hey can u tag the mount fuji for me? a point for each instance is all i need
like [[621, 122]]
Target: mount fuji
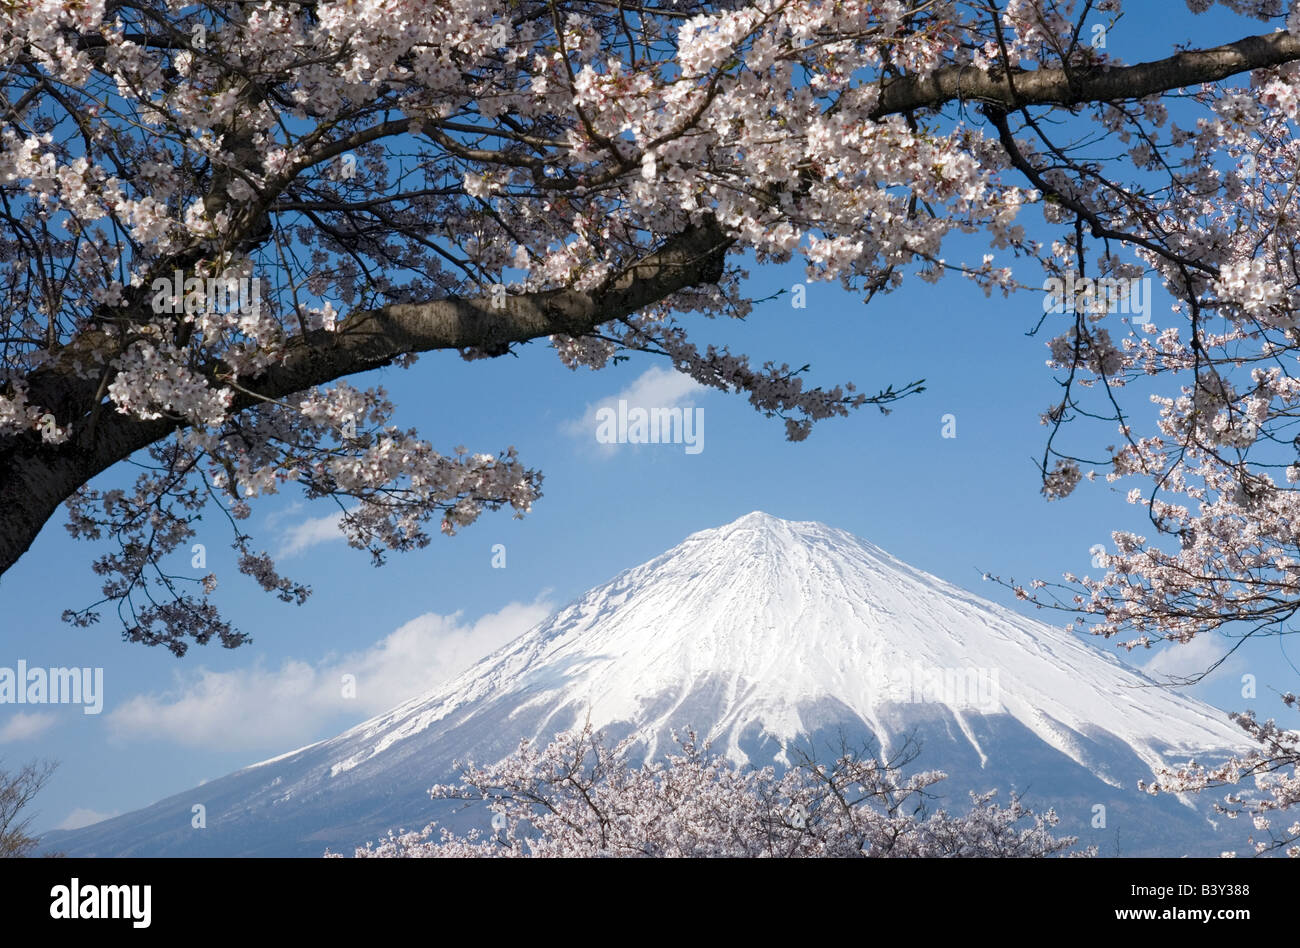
[[763, 635]]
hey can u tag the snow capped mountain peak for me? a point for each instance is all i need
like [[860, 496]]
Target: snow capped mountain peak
[[763, 528], [763, 633], [755, 518], [761, 521], [767, 626]]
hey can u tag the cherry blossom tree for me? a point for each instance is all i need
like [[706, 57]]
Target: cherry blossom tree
[[215, 213], [580, 796]]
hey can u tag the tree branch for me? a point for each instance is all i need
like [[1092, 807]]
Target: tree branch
[[38, 477], [1101, 83]]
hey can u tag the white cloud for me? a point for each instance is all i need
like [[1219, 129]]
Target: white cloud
[[22, 726], [657, 387], [275, 517], [1183, 660], [310, 533], [265, 709], [83, 817]]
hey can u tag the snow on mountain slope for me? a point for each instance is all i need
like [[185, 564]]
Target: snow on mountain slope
[[759, 633]]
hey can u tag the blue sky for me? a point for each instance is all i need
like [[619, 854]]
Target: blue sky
[[953, 506]]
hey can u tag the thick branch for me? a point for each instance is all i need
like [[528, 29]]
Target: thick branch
[[1101, 83], [370, 339], [38, 477]]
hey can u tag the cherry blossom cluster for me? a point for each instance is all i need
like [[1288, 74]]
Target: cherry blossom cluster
[[580, 796], [1271, 774]]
